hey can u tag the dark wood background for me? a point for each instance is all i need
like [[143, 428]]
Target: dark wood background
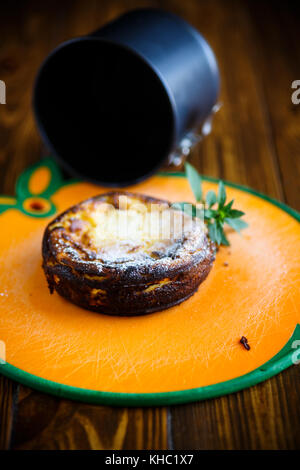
[[255, 141]]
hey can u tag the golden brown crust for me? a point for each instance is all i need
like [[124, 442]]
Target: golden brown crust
[[143, 281]]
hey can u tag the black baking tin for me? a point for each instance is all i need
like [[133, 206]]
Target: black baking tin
[[113, 106]]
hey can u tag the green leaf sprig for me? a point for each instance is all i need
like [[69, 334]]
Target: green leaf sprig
[[217, 211]]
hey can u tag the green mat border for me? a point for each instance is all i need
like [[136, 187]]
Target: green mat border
[[288, 356]]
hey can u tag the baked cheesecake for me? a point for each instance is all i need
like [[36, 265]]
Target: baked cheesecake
[[122, 253]]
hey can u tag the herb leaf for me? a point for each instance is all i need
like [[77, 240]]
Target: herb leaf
[[224, 240], [236, 224], [195, 181], [209, 214], [234, 214], [215, 218], [229, 205], [214, 232], [211, 198], [221, 194]]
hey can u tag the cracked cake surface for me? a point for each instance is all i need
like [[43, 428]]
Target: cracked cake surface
[[122, 253]]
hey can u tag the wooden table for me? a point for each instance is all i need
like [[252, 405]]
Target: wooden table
[[255, 141]]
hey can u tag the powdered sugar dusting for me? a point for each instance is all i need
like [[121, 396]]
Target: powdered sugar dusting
[[94, 240]]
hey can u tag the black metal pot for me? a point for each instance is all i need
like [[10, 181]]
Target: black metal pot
[[114, 105]]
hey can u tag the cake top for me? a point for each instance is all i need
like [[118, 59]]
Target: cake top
[[124, 228]]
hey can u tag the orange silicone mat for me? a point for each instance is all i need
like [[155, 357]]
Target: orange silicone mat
[[188, 352]]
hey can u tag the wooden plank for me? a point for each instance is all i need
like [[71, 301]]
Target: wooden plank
[[46, 422], [8, 399], [279, 63], [263, 417], [240, 148]]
